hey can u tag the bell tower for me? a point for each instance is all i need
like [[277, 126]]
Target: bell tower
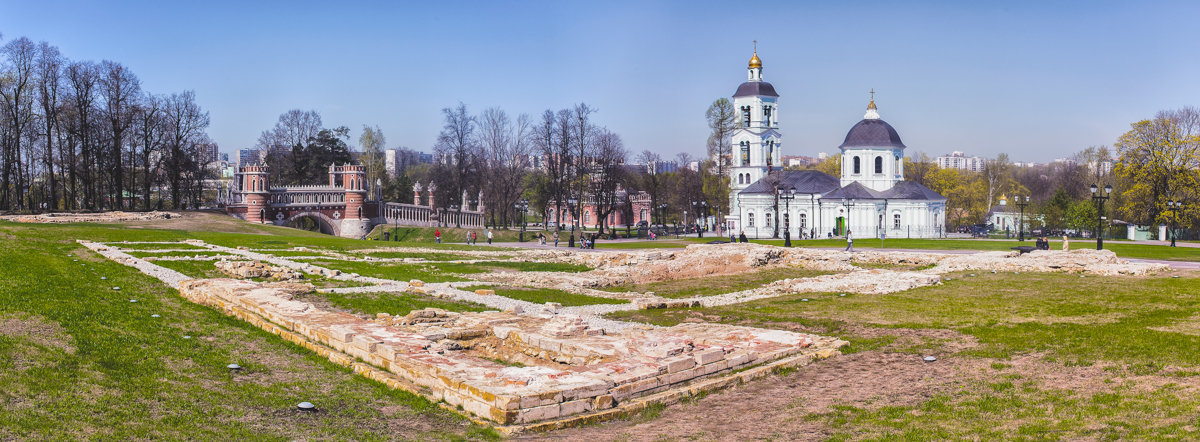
[[756, 141]]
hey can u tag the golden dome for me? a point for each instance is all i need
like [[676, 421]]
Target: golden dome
[[755, 62]]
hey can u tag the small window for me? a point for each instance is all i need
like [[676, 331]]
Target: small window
[[767, 115], [857, 165], [745, 153], [878, 164], [746, 116], [767, 220], [803, 221], [896, 221], [750, 219]]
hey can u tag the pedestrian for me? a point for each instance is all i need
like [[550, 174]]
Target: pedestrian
[[437, 235], [742, 237], [556, 239], [489, 234], [571, 240], [731, 237], [849, 241], [1066, 243]]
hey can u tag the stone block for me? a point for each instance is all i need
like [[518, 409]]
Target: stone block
[[679, 363], [603, 401], [416, 283], [538, 414], [708, 356], [575, 407], [485, 292]]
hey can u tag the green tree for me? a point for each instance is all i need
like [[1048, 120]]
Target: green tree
[[1158, 161], [1081, 216]]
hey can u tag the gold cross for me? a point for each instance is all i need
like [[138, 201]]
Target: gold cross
[[872, 94], [755, 46]]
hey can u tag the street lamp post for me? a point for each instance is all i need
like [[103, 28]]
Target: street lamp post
[[1022, 202], [1099, 198], [523, 206], [1174, 207], [572, 202], [849, 203], [684, 225], [787, 197]]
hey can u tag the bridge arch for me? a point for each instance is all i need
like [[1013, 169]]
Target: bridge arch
[[326, 224]]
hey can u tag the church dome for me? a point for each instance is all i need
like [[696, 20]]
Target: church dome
[[755, 62], [872, 131]]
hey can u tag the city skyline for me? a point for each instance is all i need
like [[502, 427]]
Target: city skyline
[[1036, 82]]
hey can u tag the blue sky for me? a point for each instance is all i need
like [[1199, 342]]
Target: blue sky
[[1036, 80]]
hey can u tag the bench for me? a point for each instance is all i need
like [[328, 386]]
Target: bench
[[1024, 249]]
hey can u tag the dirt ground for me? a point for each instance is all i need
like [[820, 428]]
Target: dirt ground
[[776, 408]]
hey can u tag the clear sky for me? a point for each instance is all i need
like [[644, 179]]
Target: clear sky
[[1037, 80]]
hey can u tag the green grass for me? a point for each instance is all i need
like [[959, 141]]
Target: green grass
[[397, 272], [427, 256], [398, 304], [79, 361], [1121, 248], [541, 296], [716, 285], [656, 244], [452, 238], [200, 252], [180, 246], [490, 266]]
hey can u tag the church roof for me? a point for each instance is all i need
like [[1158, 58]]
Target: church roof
[[856, 191], [911, 190], [872, 132], [752, 88], [804, 181]]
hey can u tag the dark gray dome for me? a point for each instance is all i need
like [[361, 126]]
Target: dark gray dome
[[872, 133], [751, 88]]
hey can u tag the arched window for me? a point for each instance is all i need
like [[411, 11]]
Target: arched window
[[587, 216], [803, 221], [896, 221], [745, 152], [878, 164], [857, 165], [750, 219], [767, 219], [643, 215]]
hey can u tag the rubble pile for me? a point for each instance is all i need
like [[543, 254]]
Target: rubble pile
[[257, 269], [104, 217], [1095, 262]]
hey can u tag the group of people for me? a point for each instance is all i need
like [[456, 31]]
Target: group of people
[[472, 237], [1044, 244]]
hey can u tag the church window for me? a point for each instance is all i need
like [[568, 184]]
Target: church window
[[767, 220], [746, 116], [857, 165], [896, 221], [750, 219], [767, 115], [803, 221], [878, 164], [745, 153], [587, 216], [770, 151]]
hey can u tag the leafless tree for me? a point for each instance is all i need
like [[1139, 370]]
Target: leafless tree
[[148, 128], [607, 174], [49, 73], [507, 146], [119, 88], [16, 91], [185, 129], [457, 154]]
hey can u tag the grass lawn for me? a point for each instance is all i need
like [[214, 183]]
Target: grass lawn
[[397, 272], [432, 256], [491, 266], [398, 304], [79, 361], [1134, 340], [541, 296], [716, 285], [201, 252]]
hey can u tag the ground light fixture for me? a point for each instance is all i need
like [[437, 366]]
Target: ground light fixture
[[930, 359], [306, 406], [234, 367]]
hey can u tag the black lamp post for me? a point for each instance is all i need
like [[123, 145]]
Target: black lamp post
[[1022, 202], [523, 206], [1174, 207], [787, 197], [849, 203], [1099, 198], [571, 202]]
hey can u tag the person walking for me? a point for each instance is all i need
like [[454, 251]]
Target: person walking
[[556, 239], [489, 234], [849, 241], [437, 235]]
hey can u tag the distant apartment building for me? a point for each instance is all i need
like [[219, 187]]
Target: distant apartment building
[[396, 161], [662, 167], [248, 156], [798, 161], [207, 153], [958, 160]]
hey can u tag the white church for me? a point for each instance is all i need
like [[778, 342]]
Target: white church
[[871, 199]]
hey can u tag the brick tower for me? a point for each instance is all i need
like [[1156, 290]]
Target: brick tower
[[255, 190], [355, 223]]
